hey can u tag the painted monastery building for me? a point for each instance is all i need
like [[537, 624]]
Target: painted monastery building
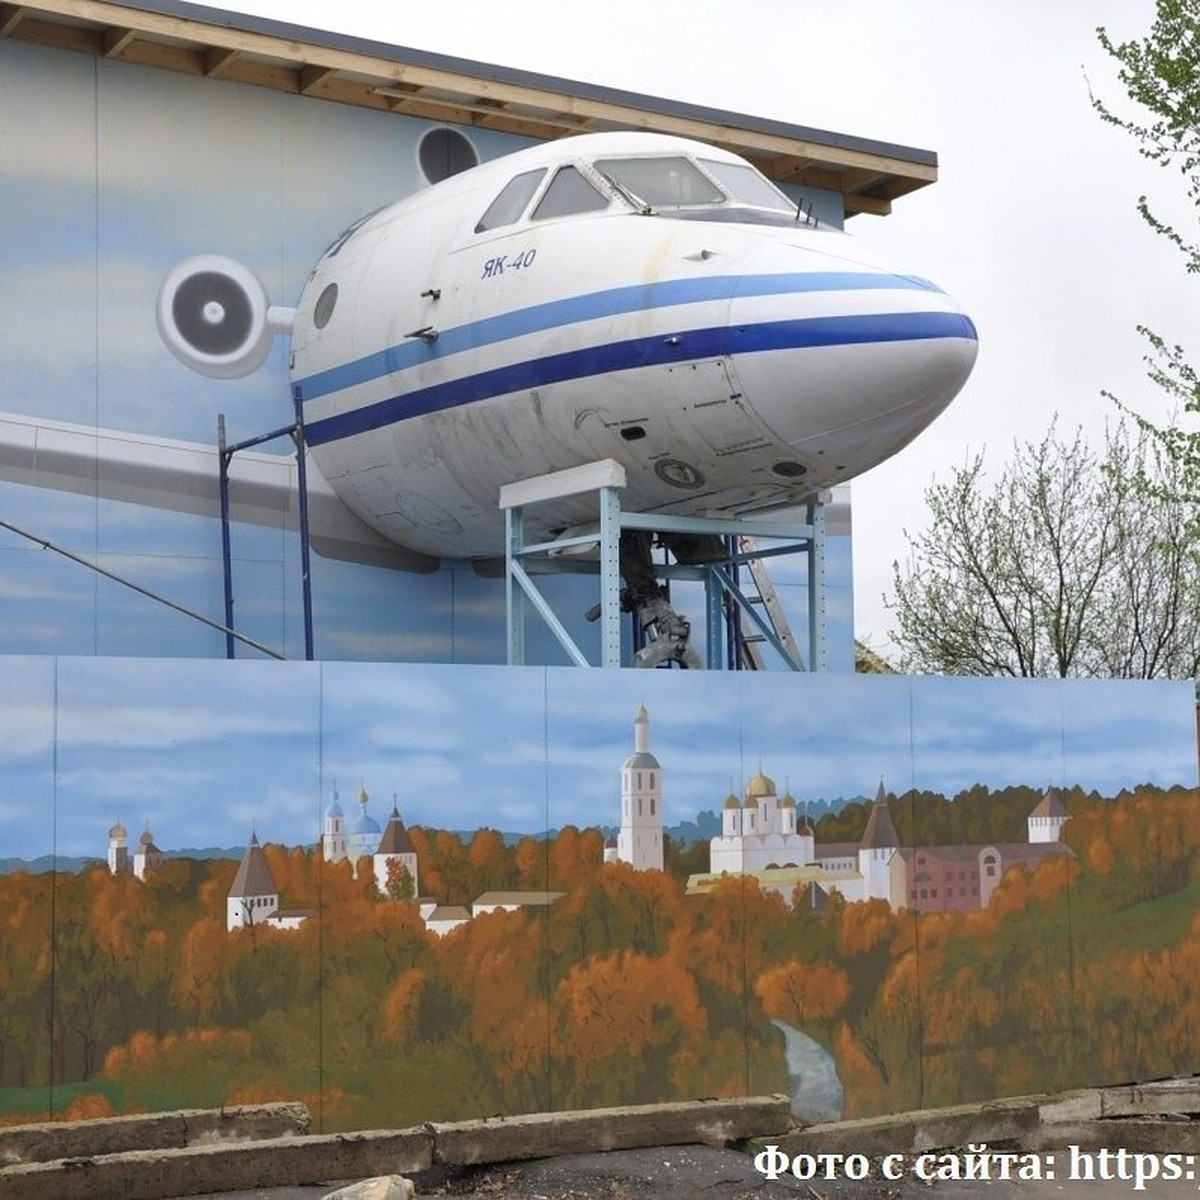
[[761, 836], [144, 860], [254, 898]]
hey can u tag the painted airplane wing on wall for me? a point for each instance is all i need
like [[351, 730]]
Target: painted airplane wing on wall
[[184, 477]]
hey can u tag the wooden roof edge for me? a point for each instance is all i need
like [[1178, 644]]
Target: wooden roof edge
[[763, 135]]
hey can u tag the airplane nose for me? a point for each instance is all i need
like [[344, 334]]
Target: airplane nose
[[847, 362]]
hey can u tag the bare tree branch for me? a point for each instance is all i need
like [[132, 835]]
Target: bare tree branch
[[1070, 563]]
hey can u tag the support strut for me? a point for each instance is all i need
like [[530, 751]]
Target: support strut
[[703, 550]]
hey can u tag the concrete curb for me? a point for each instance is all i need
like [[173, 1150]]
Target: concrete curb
[[1123, 1133], [322, 1159], [153, 1131], [191, 1153], [548, 1135], [232, 1167], [1134, 1117], [1164, 1096], [925, 1129]]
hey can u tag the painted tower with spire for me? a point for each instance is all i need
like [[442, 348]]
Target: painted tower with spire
[[333, 831], [1046, 821], [879, 855], [118, 850], [253, 897], [396, 854], [640, 841]]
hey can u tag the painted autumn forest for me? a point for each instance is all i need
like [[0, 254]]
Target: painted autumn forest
[[120, 996]]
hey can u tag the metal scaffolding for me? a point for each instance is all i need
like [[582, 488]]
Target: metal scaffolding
[[295, 431], [727, 604]]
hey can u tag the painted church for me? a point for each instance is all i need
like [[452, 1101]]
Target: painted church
[[393, 858], [254, 897], [760, 836], [146, 859], [351, 839], [763, 835]]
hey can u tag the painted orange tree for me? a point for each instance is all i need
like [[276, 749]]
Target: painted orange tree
[[121, 996]]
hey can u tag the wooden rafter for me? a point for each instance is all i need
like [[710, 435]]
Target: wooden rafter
[[11, 15], [310, 78], [116, 40], [217, 61], [437, 88]]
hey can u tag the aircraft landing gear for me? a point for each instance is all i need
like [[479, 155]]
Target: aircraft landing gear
[[629, 579], [667, 635]]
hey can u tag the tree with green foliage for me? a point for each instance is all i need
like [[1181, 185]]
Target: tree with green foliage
[[1161, 75], [1067, 564]]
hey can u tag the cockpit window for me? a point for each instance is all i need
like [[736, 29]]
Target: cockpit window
[[510, 204], [747, 186], [661, 182], [569, 192]]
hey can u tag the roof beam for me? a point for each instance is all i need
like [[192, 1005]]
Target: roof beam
[[116, 40], [29, 27], [862, 181], [783, 168], [874, 205], [870, 175], [396, 73], [309, 78], [417, 103], [218, 60], [11, 15]]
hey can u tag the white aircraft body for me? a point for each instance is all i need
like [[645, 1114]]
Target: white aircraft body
[[631, 296]]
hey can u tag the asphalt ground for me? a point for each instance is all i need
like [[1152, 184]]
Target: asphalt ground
[[705, 1173]]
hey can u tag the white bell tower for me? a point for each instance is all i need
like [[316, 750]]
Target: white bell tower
[[640, 842]]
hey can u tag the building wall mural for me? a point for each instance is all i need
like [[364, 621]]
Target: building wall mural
[[401, 884], [411, 892], [103, 197]]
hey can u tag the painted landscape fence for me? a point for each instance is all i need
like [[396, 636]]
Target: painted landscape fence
[[404, 893]]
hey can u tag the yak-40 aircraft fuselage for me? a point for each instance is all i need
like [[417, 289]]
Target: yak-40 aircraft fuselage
[[631, 296]]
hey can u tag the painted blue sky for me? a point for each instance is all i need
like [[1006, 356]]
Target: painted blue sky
[[103, 194], [102, 197], [203, 752]]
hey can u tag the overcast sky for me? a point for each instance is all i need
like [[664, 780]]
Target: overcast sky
[[1031, 226]]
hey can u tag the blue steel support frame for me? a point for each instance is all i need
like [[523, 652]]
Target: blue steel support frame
[[514, 595], [225, 454], [605, 478], [715, 643], [610, 577], [721, 584], [817, 642]]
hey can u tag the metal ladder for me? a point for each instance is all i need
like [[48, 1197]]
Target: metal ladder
[[752, 658]]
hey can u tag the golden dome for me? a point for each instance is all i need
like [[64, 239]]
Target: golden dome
[[761, 785]]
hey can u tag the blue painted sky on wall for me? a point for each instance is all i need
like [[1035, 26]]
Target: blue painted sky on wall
[[103, 195], [203, 752]]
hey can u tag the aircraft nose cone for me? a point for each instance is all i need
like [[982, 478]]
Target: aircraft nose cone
[[845, 360]]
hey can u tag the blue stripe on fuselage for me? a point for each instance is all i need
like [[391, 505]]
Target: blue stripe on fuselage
[[660, 349], [572, 310]]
